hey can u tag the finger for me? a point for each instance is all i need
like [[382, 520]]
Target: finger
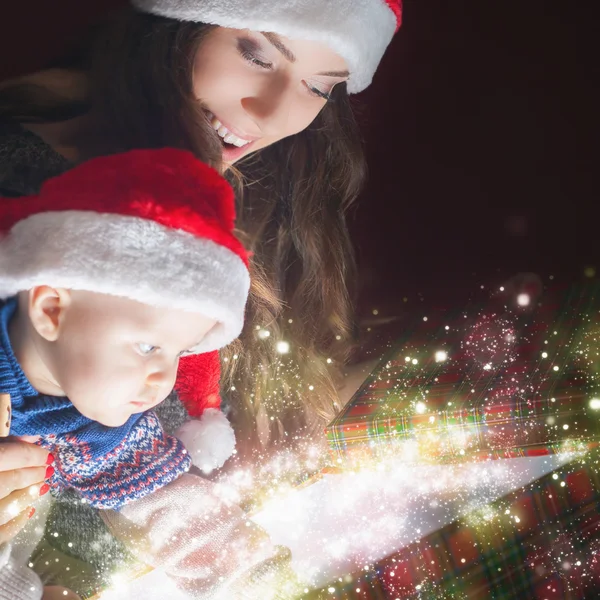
[[17, 455], [54, 592], [4, 414], [18, 501], [19, 479], [10, 529]]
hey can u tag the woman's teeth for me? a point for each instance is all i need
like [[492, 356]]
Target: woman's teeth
[[226, 135]]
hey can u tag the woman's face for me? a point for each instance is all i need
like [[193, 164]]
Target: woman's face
[[262, 87]]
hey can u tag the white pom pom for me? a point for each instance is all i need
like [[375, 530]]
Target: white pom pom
[[209, 440]]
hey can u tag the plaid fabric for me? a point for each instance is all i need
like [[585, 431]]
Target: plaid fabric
[[541, 542], [515, 383]]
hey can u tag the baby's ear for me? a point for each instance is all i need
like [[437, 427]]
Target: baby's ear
[[47, 307]]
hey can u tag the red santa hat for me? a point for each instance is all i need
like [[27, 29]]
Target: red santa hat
[[154, 226], [359, 31]]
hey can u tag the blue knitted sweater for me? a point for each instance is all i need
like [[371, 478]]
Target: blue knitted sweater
[[107, 466]]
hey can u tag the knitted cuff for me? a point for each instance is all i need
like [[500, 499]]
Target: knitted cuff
[[17, 582]]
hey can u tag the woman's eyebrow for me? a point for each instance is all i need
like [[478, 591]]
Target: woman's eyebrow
[[275, 40], [335, 73]]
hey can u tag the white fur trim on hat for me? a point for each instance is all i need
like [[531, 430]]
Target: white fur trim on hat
[[209, 440], [130, 257], [358, 30]]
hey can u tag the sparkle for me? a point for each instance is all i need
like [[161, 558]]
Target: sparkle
[[523, 299], [595, 403], [283, 347]]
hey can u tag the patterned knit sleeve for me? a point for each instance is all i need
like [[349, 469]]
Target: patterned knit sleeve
[[206, 545], [145, 461]]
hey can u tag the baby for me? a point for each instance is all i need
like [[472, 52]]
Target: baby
[[121, 278]]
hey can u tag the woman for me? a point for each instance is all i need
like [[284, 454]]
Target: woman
[[263, 90]]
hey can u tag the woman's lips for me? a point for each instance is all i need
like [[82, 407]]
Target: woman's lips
[[233, 153], [232, 150]]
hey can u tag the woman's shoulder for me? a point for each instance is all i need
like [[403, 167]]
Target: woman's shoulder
[[26, 161]]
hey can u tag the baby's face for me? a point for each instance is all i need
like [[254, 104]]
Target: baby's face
[[115, 357]]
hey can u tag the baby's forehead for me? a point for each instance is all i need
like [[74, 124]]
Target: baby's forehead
[[149, 322], [126, 312]]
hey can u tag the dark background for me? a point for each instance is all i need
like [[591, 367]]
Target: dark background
[[480, 128]]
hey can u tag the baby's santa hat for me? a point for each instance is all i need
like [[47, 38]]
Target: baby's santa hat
[[358, 30], [154, 226]]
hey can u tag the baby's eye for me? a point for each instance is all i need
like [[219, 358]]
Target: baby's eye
[[145, 349]]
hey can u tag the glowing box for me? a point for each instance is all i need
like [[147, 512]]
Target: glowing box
[[493, 383]]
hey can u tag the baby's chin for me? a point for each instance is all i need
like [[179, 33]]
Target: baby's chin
[[115, 415], [116, 419]]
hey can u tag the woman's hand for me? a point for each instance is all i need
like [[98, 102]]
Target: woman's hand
[[23, 468], [54, 592]]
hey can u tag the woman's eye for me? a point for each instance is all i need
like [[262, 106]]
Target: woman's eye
[[315, 91], [145, 349], [256, 61], [250, 52]]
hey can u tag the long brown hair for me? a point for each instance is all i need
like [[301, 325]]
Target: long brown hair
[[291, 211]]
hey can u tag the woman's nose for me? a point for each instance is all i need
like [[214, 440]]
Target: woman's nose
[[270, 108]]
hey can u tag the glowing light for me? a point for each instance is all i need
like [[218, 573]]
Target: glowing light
[[441, 356], [523, 299], [375, 312], [13, 509], [595, 403], [407, 359], [118, 579], [283, 347], [263, 334], [420, 407], [414, 361], [544, 355], [555, 367]]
